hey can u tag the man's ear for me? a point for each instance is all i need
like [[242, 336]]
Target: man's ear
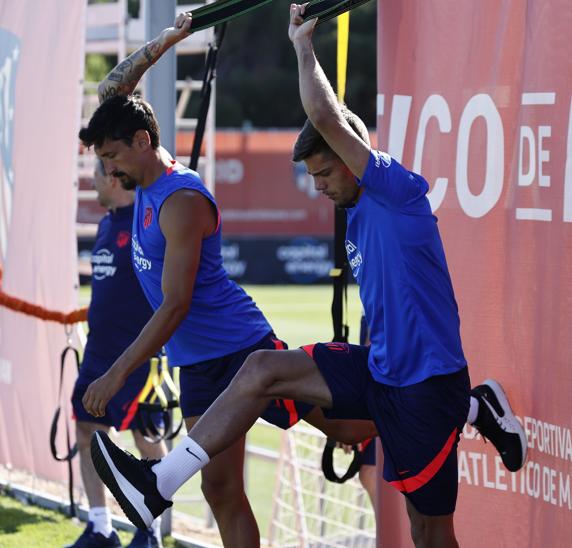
[[142, 140]]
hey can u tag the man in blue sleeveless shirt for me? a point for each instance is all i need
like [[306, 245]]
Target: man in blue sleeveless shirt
[[117, 312], [206, 322], [412, 381]]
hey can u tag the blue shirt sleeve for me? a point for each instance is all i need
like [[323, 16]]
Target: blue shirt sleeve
[[390, 183]]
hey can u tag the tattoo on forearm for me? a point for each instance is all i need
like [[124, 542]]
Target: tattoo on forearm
[[148, 55], [125, 66], [123, 79], [151, 51], [115, 77], [109, 92]]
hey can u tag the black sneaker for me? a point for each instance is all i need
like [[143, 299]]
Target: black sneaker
[[130, 480], [146, 538], [496, 422], [89, 539]]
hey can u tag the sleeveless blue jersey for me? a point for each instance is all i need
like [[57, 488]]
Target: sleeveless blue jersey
[[397, 257], [222, 318], [118, 309]]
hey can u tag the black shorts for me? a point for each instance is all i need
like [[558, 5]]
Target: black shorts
[[121, 410], [419, 425], [201, 384]]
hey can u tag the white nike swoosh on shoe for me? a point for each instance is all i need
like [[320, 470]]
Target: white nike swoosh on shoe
[[136, 499], [507, 423]]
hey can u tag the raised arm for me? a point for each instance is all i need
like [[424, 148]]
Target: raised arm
[[319, 100], [123, 79]]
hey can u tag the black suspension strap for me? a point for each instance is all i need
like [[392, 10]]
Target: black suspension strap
[[209, 76], [339, 275], [71, 451], [328, 463], [219, 12], [325, 10]]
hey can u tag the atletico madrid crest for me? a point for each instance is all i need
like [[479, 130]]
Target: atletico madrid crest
[[148, 217]]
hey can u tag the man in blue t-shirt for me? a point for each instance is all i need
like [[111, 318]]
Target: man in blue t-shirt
[[117, 312], [206, 322], [412, 381]]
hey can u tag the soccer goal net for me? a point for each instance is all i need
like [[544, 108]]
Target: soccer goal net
[[307, 510]]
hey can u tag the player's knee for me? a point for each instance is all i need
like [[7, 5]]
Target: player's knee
[[83, 432], [418, 525], [418, 531], [258, 371], [223, 492]]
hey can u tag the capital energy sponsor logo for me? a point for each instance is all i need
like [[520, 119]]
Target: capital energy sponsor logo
[[102, 264], [9, 56], [305, 259], [382, 158], [354, 258], [140, 262]]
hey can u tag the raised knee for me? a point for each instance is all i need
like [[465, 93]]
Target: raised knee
[[258, 369]]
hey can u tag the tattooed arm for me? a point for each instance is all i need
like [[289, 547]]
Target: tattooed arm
[[123, 79]]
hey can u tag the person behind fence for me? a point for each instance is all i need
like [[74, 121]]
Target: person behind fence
[[207, 323], [117, 312], [413, 379]]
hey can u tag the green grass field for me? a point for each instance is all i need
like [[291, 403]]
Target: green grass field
[[26, 526], [299, 315]]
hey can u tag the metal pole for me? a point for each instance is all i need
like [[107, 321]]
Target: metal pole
[[160, 83], [160, 92]]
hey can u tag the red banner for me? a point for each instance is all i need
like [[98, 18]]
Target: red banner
[[476, 96], [41, 65]]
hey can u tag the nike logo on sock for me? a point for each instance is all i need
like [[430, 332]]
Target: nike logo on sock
[[196, 456]]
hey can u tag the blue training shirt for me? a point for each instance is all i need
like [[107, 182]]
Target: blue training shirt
[[118, 309], [397, 257], [222, 318]]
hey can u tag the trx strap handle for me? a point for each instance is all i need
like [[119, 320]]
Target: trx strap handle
[[213, 14], [210, 75], [54, 428], [328, 463], [72, 451], [153, 402]]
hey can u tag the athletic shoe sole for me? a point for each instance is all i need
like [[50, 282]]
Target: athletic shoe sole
[[509, 418], [129, 498]]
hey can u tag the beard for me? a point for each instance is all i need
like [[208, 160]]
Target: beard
[[127, 182]]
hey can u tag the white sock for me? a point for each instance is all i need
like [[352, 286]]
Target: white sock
[[473, 410], [156, 526], [100, 516], [178, 466]]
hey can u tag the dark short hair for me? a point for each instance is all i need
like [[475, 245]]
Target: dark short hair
[[310, 142], [117, 119]]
